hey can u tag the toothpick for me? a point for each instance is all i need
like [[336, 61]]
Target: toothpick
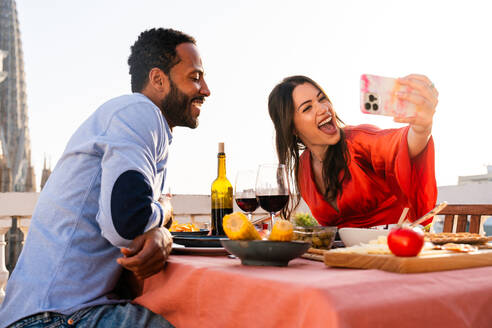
[[433, 212], [403, 215]]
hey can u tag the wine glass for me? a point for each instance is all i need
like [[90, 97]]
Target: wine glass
[[244, 191], [272, 188]]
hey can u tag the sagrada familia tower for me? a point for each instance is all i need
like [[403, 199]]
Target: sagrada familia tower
[[16, 171]]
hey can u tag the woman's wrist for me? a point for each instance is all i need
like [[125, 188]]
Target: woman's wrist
[[421, 131], [417, 139]]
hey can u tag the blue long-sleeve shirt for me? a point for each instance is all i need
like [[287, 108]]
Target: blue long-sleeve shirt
[[102, 193]]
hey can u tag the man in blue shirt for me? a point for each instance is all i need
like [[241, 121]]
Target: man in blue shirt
[[99, 212]]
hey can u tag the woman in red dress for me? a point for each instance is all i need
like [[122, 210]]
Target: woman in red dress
[[355, 176]]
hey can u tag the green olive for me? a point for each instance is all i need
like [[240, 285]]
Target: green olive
[[327, 242]]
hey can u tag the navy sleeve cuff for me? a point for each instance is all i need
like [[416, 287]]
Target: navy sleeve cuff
[[131, 204]]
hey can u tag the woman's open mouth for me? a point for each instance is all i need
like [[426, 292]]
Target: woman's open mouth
[[328, 125]]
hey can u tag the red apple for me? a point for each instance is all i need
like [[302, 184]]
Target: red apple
[[406, 242]]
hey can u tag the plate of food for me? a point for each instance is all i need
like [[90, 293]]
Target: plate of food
[[187, 230], [245, 242]]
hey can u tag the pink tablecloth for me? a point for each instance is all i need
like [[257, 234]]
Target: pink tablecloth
[[200, 291]]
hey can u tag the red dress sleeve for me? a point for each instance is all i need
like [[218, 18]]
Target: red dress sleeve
[[416, 177], [387, 153]]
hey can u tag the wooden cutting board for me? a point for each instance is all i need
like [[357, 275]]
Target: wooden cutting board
[[314, 257], [439, 262]]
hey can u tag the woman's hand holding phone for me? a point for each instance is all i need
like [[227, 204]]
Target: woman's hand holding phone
[[411, 99], [424, 96]]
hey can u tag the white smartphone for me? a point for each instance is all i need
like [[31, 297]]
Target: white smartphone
[[378, 96]]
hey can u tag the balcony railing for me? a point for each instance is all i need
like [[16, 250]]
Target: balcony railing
[[15, 213], [16, 209]]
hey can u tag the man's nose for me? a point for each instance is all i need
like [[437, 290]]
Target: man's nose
[[204, 89]]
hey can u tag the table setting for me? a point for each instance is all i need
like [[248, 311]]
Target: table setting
[[273, 241], [274, 272]]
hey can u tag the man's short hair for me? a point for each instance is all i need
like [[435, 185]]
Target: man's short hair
[[154, 48]]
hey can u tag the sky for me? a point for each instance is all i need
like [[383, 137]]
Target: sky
[[75, 57]]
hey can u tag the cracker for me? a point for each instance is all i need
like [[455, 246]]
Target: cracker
[[456, 238], [462, 248]]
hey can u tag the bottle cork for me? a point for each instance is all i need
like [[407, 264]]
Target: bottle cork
[[221, 147]]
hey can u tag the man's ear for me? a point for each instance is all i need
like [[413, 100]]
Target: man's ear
[[158, 80]]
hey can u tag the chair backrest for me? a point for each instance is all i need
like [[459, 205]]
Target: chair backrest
[[456, 217]]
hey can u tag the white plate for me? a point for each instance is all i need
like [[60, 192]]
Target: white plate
[[180, 249]]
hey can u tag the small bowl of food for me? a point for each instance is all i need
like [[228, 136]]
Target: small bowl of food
[[356, 236], [319, 236], [307, 229]]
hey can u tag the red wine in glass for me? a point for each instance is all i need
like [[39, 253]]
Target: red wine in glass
[[244, 191], [273, 203], [272, 188], [247, 204]]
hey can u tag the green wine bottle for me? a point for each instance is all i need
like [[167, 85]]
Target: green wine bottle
[[221, 194]]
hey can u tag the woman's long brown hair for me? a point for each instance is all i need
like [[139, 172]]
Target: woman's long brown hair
[[281, 108]]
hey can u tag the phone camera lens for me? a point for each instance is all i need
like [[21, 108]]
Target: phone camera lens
[[367, 106], [372, 98], [375, 107]]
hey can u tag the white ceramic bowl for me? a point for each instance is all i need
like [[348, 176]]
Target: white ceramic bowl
[[355, 236]]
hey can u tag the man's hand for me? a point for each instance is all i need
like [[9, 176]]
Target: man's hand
[[167, 209], [147, 253]]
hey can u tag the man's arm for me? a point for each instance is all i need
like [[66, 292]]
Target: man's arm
[[129, 216], [130, 149]]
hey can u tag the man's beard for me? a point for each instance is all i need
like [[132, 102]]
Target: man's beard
[[176, 107]]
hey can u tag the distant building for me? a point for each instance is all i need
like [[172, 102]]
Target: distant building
[[3, 75], [17, 171], [4, 169], [471, 189], [45, 175], [469, 193], [481, 178], [5, 174]]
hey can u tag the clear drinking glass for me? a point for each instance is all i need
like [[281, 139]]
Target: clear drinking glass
[[272, 188], [244, 191]]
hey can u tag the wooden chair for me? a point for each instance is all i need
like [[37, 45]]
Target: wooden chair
[[456, 217]]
